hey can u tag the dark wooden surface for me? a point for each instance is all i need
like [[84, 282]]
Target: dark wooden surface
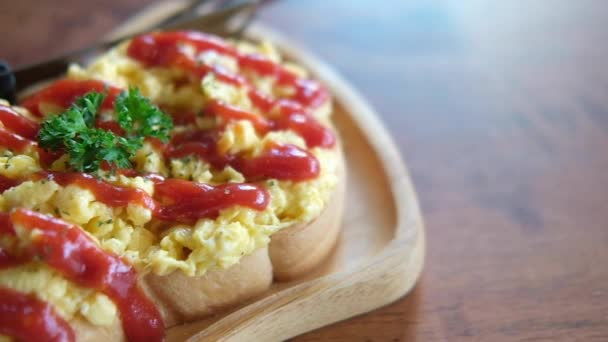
[[501, 112]]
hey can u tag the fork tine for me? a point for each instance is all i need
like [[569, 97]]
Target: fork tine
[[224, 22], [186, 13]]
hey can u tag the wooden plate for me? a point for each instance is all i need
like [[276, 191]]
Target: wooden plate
[[380, 253]]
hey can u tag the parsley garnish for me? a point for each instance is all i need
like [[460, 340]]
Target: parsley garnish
[[88, 147], [139, 117]]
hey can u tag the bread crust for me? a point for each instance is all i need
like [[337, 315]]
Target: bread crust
[[297, 250], [182, 299]]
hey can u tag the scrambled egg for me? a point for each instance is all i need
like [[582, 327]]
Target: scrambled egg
[[131, 231], [69, 300]]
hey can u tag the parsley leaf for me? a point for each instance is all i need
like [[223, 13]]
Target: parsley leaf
[[60, 128], [89, 105], [138, 116], [89, 147]]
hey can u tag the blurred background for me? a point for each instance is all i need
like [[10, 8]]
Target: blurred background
[[500, 110]]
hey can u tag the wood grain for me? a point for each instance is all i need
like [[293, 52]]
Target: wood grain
[[500, 111]]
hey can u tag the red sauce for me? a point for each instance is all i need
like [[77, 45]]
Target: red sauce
[[202, 144], [65, 91], [104, 192], [18, 123], [47, 158], [163, 49], [166, 49], [295, 118], [21, 134], [70, 251], [286, 162], [188, 197], [308, 92], [180, 116], [26, 318], [232, 113], [7, 183], [262, 101], [6, 229], [292, 117], [167, 204], [156, 143], [111, 126], [14, 141], [5, 259], [175, 200], [17, 143]]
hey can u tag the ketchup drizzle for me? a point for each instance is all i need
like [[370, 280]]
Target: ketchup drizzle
[[162, 49], [188, 197], [291, 117], [104, 192], [65, 91], [284, 162], [165, 49], [7, 183], [70, 251], [18, 123], [27, 318], [175, 200], [17, 143], [14, 141]]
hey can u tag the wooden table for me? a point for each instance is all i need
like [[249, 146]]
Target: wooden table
[[501, 112]]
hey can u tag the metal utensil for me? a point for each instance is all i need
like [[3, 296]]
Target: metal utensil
[[230, 19]]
